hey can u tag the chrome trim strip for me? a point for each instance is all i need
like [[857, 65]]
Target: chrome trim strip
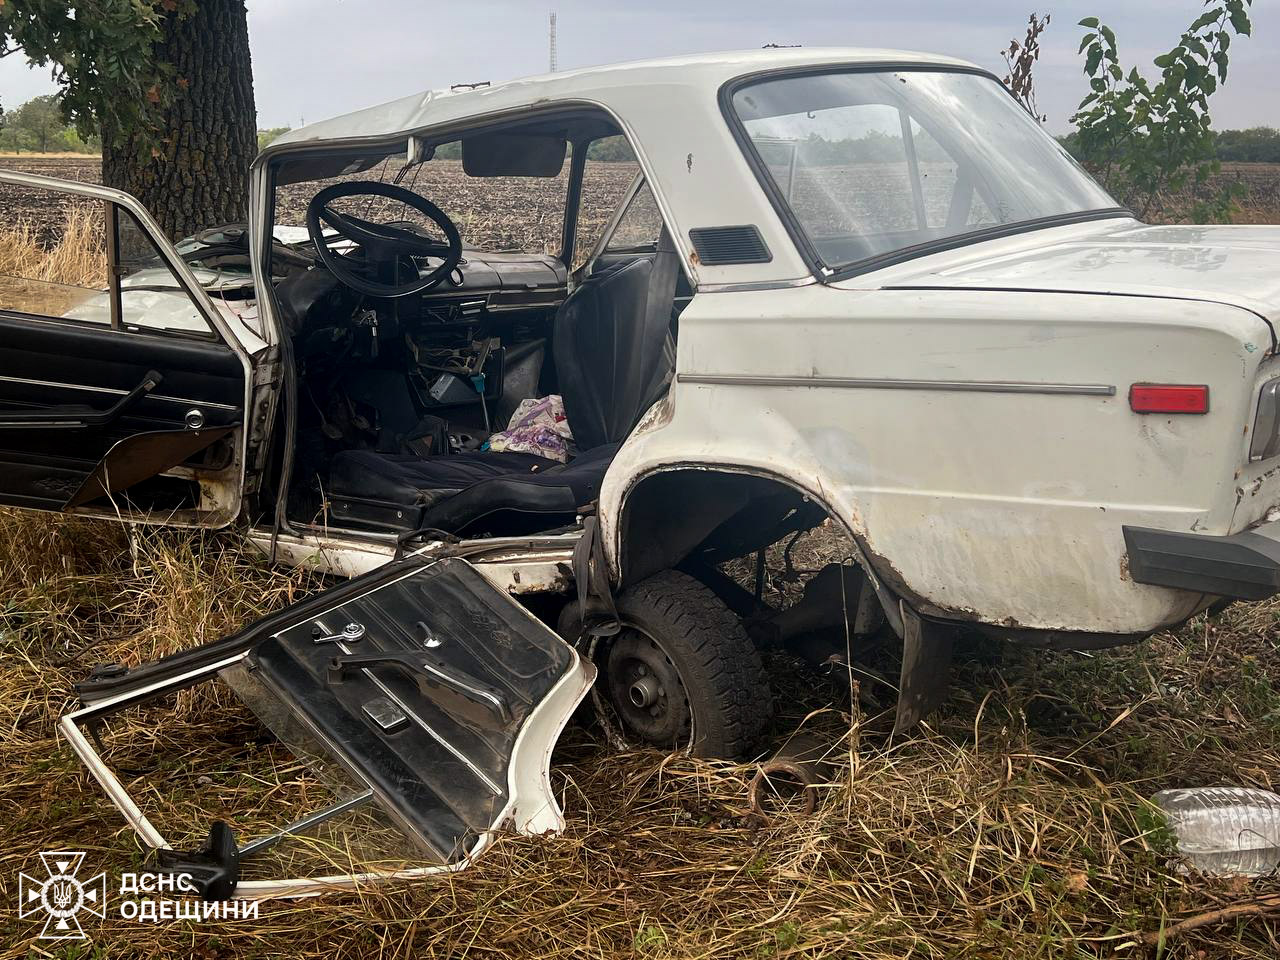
[[748, 287], [873, 383], [115, 392]]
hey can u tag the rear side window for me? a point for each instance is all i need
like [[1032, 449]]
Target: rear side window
[[609, 170], [640, 225]]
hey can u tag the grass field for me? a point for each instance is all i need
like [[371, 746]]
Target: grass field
[[1014, 825]]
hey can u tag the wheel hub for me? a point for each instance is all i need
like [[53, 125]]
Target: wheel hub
[[645, 690]]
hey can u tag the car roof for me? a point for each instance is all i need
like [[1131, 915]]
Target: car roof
[[709, 71]]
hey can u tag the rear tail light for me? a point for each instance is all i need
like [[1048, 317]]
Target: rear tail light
[[1266, 425], [1169, 398]]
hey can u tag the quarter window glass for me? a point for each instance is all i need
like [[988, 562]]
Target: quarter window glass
[[640, 225], [609, 170]]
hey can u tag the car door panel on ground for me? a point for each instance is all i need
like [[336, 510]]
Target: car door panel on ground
[[105, 384], [419, 701]]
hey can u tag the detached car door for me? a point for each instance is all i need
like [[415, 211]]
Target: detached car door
[[414, 711], [122, 392]]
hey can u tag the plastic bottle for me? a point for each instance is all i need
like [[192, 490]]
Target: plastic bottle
[[1224, 831]]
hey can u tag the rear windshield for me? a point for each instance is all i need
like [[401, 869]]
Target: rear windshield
[[873, 163]]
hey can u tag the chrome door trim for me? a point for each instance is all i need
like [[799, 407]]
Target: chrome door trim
[[115, 391], [752, 286], [879, 383]]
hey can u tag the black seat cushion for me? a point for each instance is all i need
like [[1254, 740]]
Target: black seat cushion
[[543, 497], [421, 481], [480, 492]]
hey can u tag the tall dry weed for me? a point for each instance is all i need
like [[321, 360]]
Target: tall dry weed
[[53, 279], [79, 258]]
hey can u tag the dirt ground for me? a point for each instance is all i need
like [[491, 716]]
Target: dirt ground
[[498, 213]]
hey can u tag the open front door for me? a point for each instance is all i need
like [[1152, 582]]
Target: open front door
[[121, 389], [423, 701]]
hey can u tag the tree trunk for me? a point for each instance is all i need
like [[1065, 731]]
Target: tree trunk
[[192, 172]]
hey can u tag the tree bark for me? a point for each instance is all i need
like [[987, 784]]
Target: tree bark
[[192, 172]]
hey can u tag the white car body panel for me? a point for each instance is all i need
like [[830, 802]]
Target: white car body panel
[[1224, 264], [985, 473]]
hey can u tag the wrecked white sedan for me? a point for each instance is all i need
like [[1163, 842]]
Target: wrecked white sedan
[[851, 284]]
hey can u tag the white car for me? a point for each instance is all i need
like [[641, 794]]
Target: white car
[[851, 284]]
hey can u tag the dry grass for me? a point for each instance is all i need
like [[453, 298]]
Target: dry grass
[[1014, 827], [77, 259], [53, 278]]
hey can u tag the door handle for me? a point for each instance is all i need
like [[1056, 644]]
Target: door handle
[[79, 417], [428, 671]]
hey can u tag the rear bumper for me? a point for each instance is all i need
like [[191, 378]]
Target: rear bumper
[[1245, 565]]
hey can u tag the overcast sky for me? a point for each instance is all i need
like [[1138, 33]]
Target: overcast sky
[[315, 59]]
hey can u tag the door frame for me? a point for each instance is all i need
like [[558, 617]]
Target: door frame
[[242, 343]]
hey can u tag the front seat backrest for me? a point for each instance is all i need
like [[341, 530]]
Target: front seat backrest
[[613, 349]]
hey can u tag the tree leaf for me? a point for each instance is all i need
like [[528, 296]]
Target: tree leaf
[[1204, 20], [1089, 22], [1094, 58]]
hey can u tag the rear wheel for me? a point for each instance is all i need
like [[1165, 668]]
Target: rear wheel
[[682, 673]]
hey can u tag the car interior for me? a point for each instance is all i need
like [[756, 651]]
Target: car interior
[[414, 346]]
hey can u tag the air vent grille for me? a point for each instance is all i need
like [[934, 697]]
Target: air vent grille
[[720, 246]]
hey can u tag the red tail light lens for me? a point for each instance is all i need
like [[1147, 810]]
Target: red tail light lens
[[1169, 398]]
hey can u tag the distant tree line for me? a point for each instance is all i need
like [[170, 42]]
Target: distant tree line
[[269, 134], [39, 127], [1255, 145]]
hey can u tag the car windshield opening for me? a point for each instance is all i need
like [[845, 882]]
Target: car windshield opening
[[872, 163]]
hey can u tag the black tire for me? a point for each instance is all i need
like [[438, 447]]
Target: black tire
[[724, 684]]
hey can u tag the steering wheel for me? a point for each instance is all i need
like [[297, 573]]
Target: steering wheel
[[384, 245]]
